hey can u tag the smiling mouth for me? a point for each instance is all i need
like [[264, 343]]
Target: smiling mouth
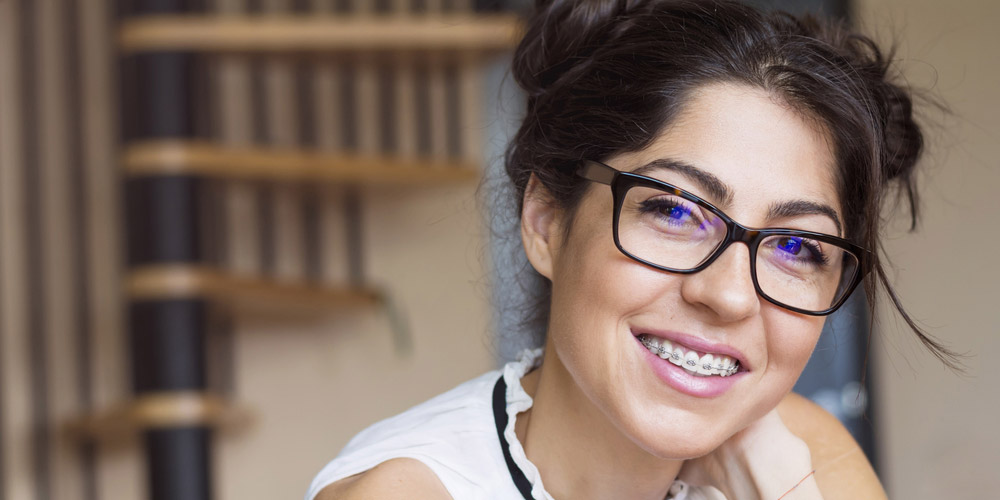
[[696, 363]]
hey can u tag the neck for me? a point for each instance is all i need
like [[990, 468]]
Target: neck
[[578, 451]]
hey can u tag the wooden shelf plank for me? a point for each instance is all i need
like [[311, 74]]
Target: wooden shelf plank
[[161, 410], [244, 293], [278, 33], [212, 160]]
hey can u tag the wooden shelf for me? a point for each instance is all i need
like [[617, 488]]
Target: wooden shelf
[[206, 33], [244, 293], [162, 410], [213, 160]]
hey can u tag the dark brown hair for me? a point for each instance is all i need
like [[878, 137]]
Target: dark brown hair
[[604, 77]]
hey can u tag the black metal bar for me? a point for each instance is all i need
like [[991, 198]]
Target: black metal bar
[[160, 91], [179, 463], [168, 345], [165, 98], [163, 220]]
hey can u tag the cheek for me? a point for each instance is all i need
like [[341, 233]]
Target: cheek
[[795, 339], [596, 283], [791, 339]]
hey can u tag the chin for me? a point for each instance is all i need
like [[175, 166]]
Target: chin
[[681, 442], [686, 449]]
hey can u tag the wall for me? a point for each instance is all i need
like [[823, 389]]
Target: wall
[[937, 429]]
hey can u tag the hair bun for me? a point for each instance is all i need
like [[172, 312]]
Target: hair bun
[[902, 141], [561, 35]]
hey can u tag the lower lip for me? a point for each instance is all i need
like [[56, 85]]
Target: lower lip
[[683, 381]]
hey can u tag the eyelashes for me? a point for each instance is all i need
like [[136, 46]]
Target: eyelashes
[[674, 211]]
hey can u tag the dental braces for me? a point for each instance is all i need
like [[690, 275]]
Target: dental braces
[[655, 349]]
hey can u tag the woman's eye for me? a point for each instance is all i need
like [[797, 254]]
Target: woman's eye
[[672, 211], [805, 251], [790, 245], [679, 212]]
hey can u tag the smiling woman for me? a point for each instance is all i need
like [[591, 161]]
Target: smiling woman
[[747, 157], [596, 361]]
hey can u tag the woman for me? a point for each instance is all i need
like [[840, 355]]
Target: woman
[[700, 185]]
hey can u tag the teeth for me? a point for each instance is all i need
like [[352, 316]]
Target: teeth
[[666, 349], [690, 361], [705, 365]]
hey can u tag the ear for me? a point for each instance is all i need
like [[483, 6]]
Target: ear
[[540, 223]]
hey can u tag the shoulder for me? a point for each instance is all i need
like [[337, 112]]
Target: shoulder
[[400, 478], [446, 439], [842, 470]]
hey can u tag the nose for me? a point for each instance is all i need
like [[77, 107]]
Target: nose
[[725, 287]]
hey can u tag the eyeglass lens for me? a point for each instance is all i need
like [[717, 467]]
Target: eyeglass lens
[[670, 231]]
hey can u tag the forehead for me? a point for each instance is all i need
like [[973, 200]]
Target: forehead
[[762, 148]]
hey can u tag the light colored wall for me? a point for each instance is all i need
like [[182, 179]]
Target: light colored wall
[[937, 431]]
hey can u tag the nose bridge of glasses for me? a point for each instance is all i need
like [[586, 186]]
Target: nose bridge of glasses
[[736, 233], [743, 234]]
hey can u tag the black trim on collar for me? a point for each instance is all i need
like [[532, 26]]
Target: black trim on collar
[[500, 416]]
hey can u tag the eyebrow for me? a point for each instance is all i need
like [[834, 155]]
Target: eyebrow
[[723, 194], [717, 189], [803, 207]]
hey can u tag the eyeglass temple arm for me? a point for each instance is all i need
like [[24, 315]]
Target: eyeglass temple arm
[[596, 171]]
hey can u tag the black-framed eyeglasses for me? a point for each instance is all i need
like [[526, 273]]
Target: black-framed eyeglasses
[[667, 228]]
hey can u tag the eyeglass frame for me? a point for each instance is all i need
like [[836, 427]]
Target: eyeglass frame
[[602, 173]]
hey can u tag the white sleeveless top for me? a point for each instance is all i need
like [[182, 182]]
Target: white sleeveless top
[[456, 435]]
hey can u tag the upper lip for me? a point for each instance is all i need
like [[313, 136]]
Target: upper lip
[[697, 343]]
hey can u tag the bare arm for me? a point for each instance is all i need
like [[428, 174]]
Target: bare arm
[[400, 478], [772, 458], [842, 470]]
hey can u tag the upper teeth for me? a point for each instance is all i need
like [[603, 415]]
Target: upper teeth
[[692, 361]]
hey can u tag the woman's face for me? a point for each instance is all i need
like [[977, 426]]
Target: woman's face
[[764, 154]]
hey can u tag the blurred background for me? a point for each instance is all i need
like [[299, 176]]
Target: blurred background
[[234, 233]]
